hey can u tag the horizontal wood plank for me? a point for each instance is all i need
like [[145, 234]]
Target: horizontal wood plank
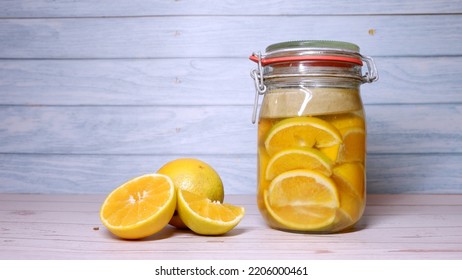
[[414, 173], [86, 8], [80, 174], [101, 174], [223, 36], [404, 234], [133, 130], [157, 130], [77, 232], [405, 80]]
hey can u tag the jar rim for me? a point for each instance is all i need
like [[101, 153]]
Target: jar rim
[[310, 50], [313, 44]]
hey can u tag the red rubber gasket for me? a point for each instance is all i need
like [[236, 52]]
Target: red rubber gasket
[[271, 60]]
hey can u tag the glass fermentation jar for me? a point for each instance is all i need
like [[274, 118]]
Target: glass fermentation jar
[[311, 134]]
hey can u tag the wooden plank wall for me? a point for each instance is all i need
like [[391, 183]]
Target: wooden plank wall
[[93, 93]]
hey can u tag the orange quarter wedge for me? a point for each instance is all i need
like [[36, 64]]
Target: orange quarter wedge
[[207, 217]]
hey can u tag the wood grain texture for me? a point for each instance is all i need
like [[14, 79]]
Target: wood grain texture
[[95, 92], [393, 227], [223, 36], [97, 174], [158, 130], [204, 81], [86, 8], [102, 173]]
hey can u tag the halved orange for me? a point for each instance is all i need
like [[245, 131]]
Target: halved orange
[[301, 132], [207, 217], [302, 200], [140, 207]]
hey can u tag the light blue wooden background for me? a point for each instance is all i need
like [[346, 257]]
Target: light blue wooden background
[[93, 93]]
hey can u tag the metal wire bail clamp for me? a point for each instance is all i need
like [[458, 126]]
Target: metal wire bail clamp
[[372, 74], [260, 87]]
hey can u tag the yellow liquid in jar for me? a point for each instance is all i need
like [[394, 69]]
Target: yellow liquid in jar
[[311, 171]]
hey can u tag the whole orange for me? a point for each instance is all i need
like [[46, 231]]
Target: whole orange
[[195, 176]]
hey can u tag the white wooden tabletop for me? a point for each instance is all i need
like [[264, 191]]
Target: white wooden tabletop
[[393, 227]]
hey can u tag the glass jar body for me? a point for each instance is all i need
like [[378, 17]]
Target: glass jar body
[[311, 154]]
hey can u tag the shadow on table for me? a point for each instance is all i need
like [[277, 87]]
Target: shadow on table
[[170, 231]]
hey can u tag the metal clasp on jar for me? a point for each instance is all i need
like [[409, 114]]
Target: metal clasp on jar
[[260, 87], [372, 74]]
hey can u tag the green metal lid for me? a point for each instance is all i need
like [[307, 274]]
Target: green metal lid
[[315, 44]]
